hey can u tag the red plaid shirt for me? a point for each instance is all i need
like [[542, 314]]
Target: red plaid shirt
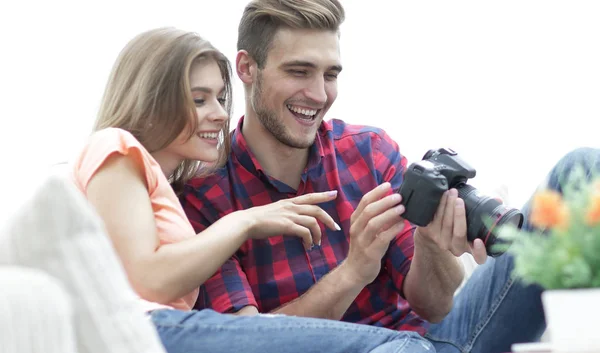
[[269, 273]]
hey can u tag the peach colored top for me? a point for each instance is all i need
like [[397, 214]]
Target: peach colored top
[[171, 223]]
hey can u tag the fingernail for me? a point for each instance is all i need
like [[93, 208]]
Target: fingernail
[[400, 209], [396, 197], [319, 243], [337, 227], [332, 193], [385, 185]]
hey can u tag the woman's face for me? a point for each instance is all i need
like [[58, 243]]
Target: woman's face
[[208, 92]]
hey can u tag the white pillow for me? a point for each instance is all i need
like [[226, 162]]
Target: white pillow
[[57, 231], [36, 315]]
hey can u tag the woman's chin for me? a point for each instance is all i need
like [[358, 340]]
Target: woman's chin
[[205, 158]]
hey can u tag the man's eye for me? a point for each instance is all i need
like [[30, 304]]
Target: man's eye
[[198, 101], [331, 77], [298, 72]]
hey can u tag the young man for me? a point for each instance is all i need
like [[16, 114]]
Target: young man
[[377, 269]]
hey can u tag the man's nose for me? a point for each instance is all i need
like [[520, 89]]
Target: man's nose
[[316, 90]]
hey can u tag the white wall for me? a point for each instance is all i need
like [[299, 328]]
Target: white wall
[[511, 85]]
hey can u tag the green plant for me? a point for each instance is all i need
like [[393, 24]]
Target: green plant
[[563, 249]]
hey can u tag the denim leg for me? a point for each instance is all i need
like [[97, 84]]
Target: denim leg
[[585, 157], [209, 331], [493, 311]]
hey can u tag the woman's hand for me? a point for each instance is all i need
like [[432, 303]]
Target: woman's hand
[[295, 216]]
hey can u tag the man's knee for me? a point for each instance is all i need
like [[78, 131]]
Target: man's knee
[[587, 157], [585, 160]]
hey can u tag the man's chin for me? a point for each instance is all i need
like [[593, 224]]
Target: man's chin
[[300, 143]]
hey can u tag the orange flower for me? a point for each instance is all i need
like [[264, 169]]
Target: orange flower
[[593, 215], [548, 210]]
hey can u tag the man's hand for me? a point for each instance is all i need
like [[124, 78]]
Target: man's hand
[[435, 270], [375, 222], [448, 230]]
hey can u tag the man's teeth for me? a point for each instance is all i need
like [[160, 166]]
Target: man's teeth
[[208, 135], [307, 112]]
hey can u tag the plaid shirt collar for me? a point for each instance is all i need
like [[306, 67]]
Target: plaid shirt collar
[[243, 153]]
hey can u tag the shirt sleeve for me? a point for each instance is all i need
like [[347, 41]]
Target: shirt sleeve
[[228, 289], [104, 144], [390, 166]]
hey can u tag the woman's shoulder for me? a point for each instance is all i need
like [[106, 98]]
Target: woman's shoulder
[[103, 144], [113, 137]]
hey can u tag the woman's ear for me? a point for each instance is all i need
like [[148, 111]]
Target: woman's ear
[[245, 67]]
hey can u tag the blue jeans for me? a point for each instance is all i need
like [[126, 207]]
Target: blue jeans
[[493, 310], [209, 331]]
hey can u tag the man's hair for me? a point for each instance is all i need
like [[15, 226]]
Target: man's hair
[[262, 19]]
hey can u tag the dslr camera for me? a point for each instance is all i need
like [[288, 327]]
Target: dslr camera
[[424, 183]]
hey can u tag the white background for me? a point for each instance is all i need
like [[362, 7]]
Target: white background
[[511, 85]]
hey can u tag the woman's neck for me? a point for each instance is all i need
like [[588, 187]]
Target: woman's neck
[[166, 161]]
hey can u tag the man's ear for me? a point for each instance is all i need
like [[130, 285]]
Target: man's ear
[[245, 67]]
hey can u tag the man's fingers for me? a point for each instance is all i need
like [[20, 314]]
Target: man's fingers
[[448, 215], [371, 215], [478, 251], [439, 213], [375, 225], [314, 198], [384, 238], [369, 198], [459, 231]]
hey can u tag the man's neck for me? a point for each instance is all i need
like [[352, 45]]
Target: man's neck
[[277, 160]]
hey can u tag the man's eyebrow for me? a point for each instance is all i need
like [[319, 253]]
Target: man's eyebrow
[[309, 64]]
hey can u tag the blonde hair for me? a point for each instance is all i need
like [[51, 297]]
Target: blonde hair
[[262, 18], [148, 93]]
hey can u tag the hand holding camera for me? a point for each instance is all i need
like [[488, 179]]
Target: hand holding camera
[[426, 186]]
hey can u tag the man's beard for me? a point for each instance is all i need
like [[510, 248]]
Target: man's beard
[[268, 118]]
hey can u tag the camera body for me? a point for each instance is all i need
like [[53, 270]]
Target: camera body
[[426, 181]]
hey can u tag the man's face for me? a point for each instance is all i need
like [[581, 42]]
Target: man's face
[[298, 84]]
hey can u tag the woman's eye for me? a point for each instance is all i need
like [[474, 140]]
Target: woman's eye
[[198, 101], [222, 101]]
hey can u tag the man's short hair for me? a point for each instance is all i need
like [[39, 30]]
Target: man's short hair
[[262, 19]]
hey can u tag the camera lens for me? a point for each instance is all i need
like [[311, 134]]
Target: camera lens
[[485, 215]]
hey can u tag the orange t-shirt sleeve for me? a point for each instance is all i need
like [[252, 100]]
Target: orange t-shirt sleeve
[[102, 145]]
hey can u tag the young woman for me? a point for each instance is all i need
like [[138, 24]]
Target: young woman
[[165, 116]]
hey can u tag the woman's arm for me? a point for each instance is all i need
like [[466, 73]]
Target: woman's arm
[[161, 274]]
